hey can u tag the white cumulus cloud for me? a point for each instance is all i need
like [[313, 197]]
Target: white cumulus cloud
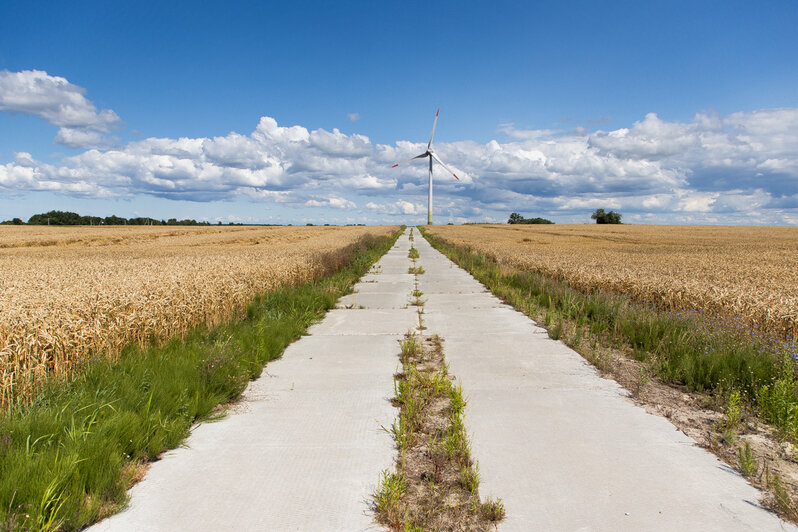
[[336, 203], [397, 207], [53, 98]]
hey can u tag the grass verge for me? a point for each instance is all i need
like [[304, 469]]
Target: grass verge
[[748, 379], [436, 483], [68, 457]]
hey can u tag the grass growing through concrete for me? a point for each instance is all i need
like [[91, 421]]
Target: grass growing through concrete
[[413, 254], [416, 294], [67, 459], [436, 483]]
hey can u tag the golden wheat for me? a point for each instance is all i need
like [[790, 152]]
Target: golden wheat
[[70, 294], [750, 272]]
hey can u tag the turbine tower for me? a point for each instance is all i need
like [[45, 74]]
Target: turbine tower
[[432, 155]]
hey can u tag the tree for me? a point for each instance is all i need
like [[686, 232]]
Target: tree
[[603, 217], [515, 218], [599, 215], [114, 220]]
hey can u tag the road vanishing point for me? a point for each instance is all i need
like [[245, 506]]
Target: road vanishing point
[[564, 448]]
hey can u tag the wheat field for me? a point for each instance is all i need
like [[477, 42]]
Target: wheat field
[[746, 272], [70, 294]]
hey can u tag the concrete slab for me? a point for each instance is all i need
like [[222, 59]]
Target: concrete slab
[[387, 279], [304, 448], [395, 264], [564, 448], [370, 322], [448, 283], [384, 300], [476, 322], [387, 284], [461, 301]]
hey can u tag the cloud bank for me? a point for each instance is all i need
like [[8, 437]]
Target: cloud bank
[[736, 168], [53, 98]]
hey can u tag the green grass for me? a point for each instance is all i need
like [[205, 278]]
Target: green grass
[[390, 489], [67, 458], [700, 351], [493, 510], [747, 461], [781, 495]]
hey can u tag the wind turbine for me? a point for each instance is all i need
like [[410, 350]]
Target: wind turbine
[[432, 155]]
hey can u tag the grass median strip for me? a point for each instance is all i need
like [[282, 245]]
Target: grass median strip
[[68, 457], [436, 483]]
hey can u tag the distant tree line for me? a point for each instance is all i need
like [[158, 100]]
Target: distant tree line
[[516, 218], [73, 218]]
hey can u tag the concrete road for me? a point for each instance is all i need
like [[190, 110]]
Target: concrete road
[[304, 449], [564, 448]]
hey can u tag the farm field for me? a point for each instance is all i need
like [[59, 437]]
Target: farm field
[[70, 294], [750, 272]]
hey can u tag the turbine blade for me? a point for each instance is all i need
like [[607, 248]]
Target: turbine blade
[[410, 159], [433, 128], [447, 168]]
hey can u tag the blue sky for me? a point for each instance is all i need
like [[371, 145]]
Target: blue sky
[[293, 112]]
